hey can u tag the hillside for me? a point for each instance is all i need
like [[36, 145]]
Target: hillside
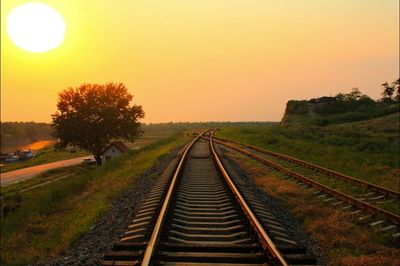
[[377, 135], [334, 110]]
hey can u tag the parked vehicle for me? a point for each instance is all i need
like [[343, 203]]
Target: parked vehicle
[[11, 157], [89, 161], [26, 154]]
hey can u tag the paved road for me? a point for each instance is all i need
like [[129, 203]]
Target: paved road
[[29, 172]]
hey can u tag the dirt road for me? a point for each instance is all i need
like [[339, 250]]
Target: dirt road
[[29, 172]]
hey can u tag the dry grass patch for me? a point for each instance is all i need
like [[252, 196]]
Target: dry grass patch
[[376, 259], [343, 241]]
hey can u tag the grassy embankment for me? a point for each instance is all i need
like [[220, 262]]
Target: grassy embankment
[[367, 150], [52, 217]]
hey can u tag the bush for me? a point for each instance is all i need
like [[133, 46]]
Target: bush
[[340, 109]]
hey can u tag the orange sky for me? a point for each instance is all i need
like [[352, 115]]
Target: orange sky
[[206, 60]]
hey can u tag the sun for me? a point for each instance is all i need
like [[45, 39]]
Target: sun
[[36, 27]]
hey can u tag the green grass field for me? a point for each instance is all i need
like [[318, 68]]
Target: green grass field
[[53, 216], [368, 150]]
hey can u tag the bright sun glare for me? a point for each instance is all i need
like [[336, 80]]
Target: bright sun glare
[[36, 27]]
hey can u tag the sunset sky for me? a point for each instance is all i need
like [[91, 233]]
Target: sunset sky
[[208, 60]]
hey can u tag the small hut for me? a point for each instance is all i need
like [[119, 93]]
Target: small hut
[[113, 150]]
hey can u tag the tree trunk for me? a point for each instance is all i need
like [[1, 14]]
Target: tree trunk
[[98, 158]]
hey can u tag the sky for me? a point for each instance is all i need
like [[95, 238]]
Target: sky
[[208, 60]]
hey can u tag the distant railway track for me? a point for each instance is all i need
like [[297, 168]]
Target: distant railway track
[[314, 167], [197, 215], [292, 167]]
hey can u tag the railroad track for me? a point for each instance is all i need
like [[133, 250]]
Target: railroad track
[[300, 164], [196, 215], [380, 203]]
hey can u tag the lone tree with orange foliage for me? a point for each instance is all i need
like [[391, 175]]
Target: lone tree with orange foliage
[[92, 115]]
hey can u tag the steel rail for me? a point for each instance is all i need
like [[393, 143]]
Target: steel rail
[[161, 217], [311, 166], [344, 197], [262, 235]]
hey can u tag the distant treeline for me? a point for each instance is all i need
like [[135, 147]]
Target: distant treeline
[[21, 133], [154, 127], [14, 134], [344, 107], [42, 131]]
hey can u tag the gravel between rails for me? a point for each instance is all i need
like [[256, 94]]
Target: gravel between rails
[[276, 207], [91, 247]]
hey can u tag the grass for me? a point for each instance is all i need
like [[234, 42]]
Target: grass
[[342, 240], [54, 216], [49, 175], [368, 150]]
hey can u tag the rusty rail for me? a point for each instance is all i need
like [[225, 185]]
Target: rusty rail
[[161, 217], [318, 168], [344, 197], [265, 240]]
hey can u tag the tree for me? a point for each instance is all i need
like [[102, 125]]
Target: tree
[[354, 95], [340, 97], [92, 115], [387, 93], [396, 87]]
